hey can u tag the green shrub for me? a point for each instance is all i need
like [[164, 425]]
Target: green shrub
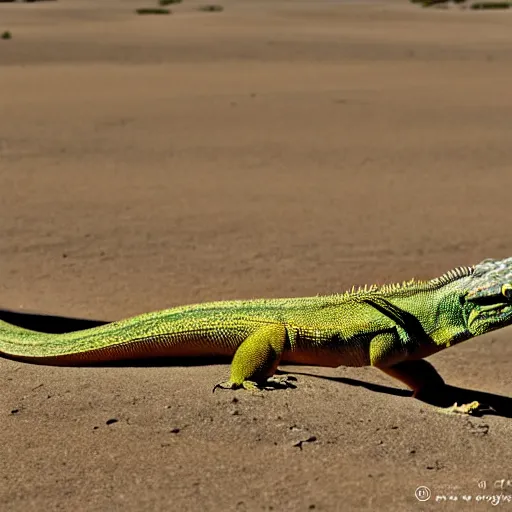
[[428, 3], [211, 8], [491, 5], [152, 10]]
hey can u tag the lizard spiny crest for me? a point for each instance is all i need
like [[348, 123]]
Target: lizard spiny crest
[[413, 284]]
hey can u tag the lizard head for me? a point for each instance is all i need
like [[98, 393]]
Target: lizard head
[[488, 301]]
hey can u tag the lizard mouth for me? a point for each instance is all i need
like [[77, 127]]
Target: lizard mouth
[[494, 312]]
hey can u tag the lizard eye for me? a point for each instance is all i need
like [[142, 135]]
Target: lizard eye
[[506, 290]]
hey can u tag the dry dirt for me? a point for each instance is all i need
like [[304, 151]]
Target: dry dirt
[[277, 148]]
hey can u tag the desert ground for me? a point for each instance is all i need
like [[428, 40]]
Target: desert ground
[[277, 148]]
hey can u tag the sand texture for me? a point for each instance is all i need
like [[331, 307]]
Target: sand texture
[[276, 148]]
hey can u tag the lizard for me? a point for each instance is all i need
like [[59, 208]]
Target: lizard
[[392, 327]]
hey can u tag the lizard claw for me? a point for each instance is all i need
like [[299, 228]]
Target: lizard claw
[[225, 385]]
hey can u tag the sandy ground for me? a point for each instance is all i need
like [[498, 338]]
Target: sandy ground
[[278, 148]]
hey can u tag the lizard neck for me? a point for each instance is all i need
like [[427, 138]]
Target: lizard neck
[[439, 310], [449, 325]]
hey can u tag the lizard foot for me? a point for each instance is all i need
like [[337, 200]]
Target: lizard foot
[[274, 382], [474, 409], [281, 381], [226, 385], [249, 385]]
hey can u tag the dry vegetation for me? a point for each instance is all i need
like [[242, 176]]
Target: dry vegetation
[[463, 4]]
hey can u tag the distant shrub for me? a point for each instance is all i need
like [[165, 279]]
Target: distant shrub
[[491, 5], [6, 35], [428, 3], [152, 10], [476, 5], [211, 8], [169, 2]]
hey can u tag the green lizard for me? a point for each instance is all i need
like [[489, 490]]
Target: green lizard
[[392, 327]]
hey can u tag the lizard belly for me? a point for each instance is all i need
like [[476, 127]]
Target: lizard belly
[[329, 350]]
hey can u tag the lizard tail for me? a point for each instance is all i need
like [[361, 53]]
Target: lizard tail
[[161, 334]]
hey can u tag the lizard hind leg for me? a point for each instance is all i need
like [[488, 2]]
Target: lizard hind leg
[[257, 358]]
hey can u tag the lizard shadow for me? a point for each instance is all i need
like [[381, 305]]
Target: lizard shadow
[[48, 323], [501, 405]]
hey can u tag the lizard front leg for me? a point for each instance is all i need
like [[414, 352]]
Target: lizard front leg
[[428, 385], [257, 358], [419, 375]]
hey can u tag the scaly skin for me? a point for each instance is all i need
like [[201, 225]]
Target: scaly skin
[[391, 327]]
